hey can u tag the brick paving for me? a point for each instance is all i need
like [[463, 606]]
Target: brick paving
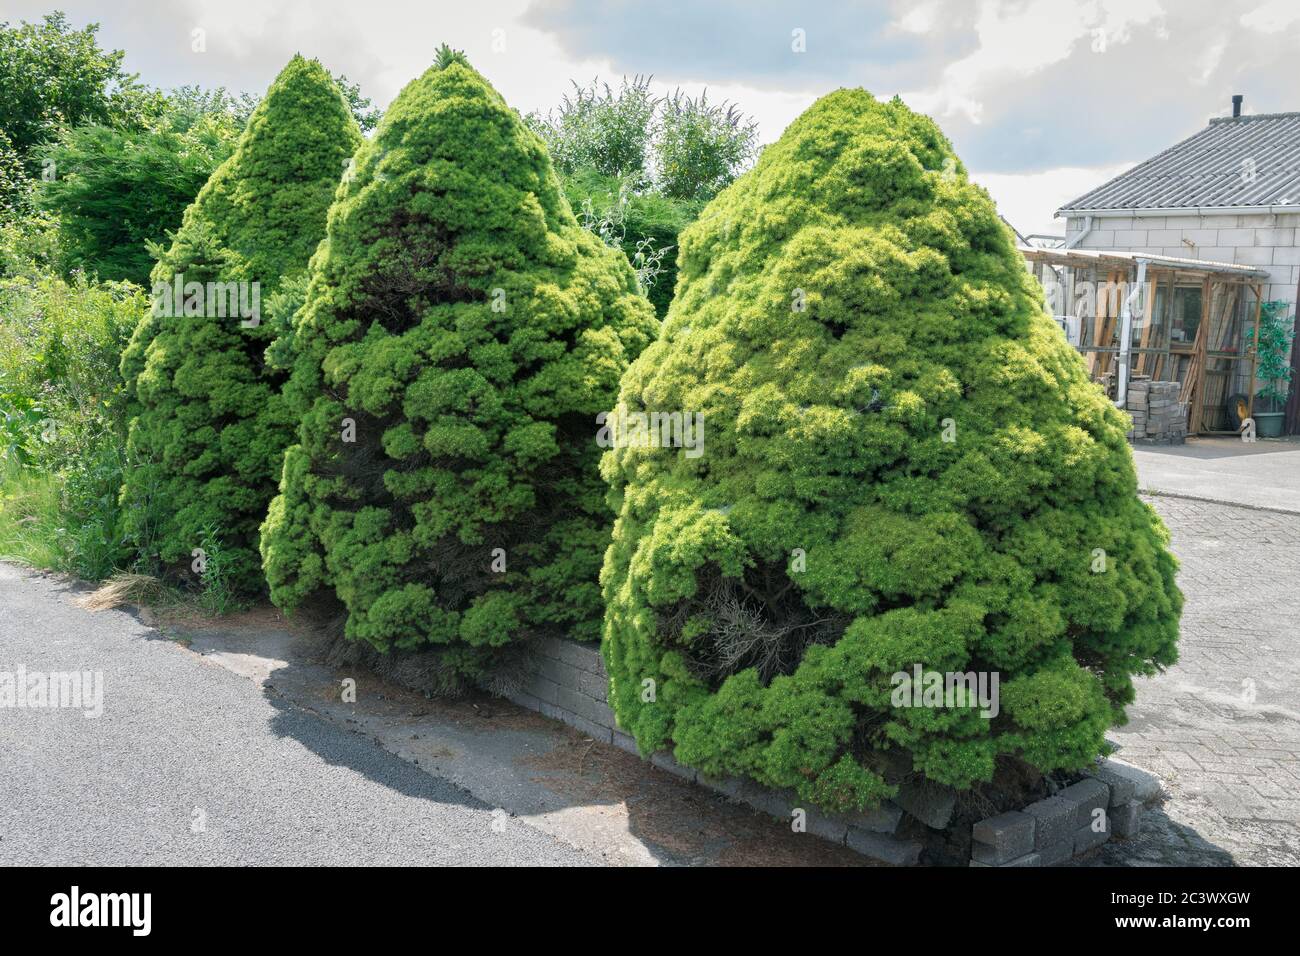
[[1222, 727]]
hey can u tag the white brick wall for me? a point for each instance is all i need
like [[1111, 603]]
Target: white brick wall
[[1267, 240]]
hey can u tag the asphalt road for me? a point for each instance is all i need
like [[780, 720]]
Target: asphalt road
[[191, 764]]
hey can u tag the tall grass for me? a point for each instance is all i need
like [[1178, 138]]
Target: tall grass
[[30, 519]]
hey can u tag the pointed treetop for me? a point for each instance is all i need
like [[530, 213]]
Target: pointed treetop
[[446, 56], [301, 134]]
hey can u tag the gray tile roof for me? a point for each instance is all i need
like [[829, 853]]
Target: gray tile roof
[[1247, 161]]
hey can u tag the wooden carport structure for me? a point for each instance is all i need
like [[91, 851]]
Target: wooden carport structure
[[1191, 321]]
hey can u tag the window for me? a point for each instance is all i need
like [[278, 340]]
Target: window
[[1185, 317]]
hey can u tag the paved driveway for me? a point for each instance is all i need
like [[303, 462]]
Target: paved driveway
[[1222, 727], [1264, 474]]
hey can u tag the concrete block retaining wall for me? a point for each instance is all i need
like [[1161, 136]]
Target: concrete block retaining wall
[[567, 682], [1067, 824]]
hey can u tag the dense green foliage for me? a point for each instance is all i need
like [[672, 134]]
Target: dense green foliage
[[206, 441], [114, 191], [13, 181], [598, 128], [643, 223], [461, 332], [1273, 345], [903, 463], [680, 146], [52, 76], [62, 421], [700, 146], [114, 163], [638, 168]]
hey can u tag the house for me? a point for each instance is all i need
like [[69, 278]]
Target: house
[[1216, 220]]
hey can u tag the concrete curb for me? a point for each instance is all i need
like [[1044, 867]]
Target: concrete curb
[[1153, 493]]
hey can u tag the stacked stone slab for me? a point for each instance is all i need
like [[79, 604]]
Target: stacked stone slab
[[1157, 413], [1079, 818], [1137, 405]]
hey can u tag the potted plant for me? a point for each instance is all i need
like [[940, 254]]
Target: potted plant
[[1273, 345]]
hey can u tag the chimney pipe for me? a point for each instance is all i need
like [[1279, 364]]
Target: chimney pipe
[[1236, 106]]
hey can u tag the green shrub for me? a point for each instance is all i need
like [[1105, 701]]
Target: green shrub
[[701, 146], [63, 421], [461, 332], [903, 463], [600, 129], [52, 75], [221, 590], [115, 191], [210, 426], [29, 243], [14, 184], [60, 344], [1273, 345], [678, 146], [643, 223]]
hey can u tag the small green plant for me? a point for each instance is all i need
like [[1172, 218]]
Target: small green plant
[[62, 421], [20, 423], [220, 587], [88, 495], [600, 128], [611, 225], [1273, 347]]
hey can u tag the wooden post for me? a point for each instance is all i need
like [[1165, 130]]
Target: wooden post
[[1254, 348], [1196, 365]]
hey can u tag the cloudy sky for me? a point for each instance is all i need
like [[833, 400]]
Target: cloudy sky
[[1044, 99]]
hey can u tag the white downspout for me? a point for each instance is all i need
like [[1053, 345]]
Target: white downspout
[[1126, 334], [1079, 236]]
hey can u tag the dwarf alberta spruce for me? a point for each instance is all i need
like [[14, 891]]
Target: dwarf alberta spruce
[[209, 425], [460, 334], [903, 463]]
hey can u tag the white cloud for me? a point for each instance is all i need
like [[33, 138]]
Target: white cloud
[[920, 18], [1020, 39], [1272, 17], [1028, 202], [1209, 61], [1044, 95]]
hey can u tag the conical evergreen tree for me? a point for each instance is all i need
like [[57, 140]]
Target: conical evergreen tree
[[210, 427], [904, 464], [460, 335]]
